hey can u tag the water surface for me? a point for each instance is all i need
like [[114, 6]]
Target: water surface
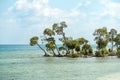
[[21, 62]]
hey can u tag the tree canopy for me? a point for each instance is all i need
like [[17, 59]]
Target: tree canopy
[[76, 47]]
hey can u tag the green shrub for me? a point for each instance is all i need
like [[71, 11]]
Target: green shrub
[[68, 55], [110, 50], [83, 52], [98, 54], [90, 52], [104, 51], [75, 55], [101, 53], [118, 52]]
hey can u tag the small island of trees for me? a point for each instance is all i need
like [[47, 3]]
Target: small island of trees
[[77, 47]]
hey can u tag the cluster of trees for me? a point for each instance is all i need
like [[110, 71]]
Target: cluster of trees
[[102, 38], [77, 47]]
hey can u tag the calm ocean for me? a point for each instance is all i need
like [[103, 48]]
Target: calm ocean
[[23, 62], [17, 47]]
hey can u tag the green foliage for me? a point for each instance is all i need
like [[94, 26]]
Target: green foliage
[[58, 28], [87, 49], [98, 54], [117, 40], [83, 52], [34, 40], [63, 24], [77, 48], [48, 32], [112, 35], [68, 55], [101, 37], [118, 52], [50, 39], [91, 51], [65, 39], [101, 43], [82, 41], [70, 44], [73, 55], [103, 52], [50, 46], [110, 50]]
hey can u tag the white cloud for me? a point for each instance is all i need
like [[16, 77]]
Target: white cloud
[[43, 12], [82, 19], [111, 8], [87, 3], [42, 8]]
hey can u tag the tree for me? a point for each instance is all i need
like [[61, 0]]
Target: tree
[[59, 29], [34, 41], [87, 49], [51, 47], [70, 44], [77, 48], [48, 32], [63, 50], [101, 37], [101, 53], [117, 40], [118, 52], [112, 35], [50, 40], [82, 41]]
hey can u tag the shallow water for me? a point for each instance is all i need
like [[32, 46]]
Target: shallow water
[[30, 65]]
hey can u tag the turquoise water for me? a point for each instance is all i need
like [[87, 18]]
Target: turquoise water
[[22, 62]]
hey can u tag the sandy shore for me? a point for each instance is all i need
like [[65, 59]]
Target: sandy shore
[[115, 76]]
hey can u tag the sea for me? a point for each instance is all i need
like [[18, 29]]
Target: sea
[[24, 62]]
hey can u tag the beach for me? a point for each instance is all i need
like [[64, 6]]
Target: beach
[[114, 76]]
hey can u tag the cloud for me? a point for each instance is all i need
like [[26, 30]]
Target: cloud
[[31, 17], [42, 9], [38, 12], [112, 9]]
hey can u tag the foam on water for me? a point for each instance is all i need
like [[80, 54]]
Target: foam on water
[[115, 76]]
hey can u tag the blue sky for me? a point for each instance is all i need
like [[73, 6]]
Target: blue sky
[[22, 19]]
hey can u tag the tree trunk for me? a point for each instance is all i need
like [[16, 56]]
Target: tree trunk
[[117, 46], [53, 53], [65, 41], [57, 50], [72, 51], [112, 46], [99, 43], [64, 36], [42, 49]]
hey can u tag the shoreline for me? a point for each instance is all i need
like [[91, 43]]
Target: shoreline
[[114, 76]]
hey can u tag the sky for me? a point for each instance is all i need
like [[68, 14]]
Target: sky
[[22, 19]]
